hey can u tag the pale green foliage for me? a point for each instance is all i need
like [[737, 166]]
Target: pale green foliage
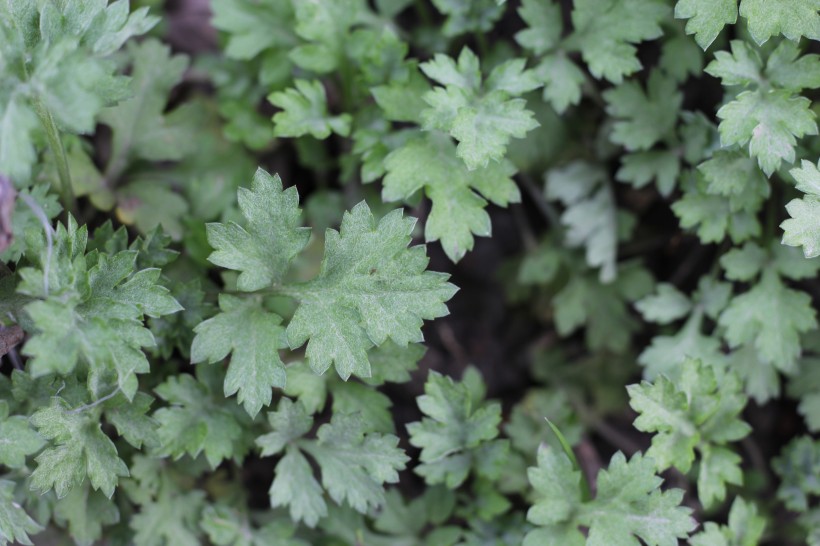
[[629, 504], [643, 118], [305, 112], [591, 217], [226, 526], [15, 524], [765, 18], [458, 210], [798, 466], [697, 411], [745, 528], [367, 271], [769, 117], [55, 63], [197, 422], [481, 114], [606, 33], [458, 434], [80, 450], [354, 462], [90, 308], [19, 440], [803, 228], [792, 18], [772, 317], [475, 16], [666, 353], [253, 337], [370, 288], [706, 18], [273, 237]]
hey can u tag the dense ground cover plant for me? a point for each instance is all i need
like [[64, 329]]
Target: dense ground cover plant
[[409, 272]]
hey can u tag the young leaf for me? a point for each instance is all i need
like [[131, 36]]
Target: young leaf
[[458, 210], [698, 411], [90, 308], [274, 236], [305, 112], [481, 117], [457, 434], [629, 505]]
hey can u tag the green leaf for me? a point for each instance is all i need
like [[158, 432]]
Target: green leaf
[[139, 125], [167, 513], [474, 16], [227, 526], [254, 28], [803, 228], [629, 504], [371, 287], [457, 434], [602, 308], [253, 337], [483, 122], [706, 18], [354, 462], [86, 513], [769, 123], [289, 422], [606, 32], [296, 487], [543, 26], [18, 439], [641, 168], [67, 76], [591, 216], [194, 423], [745, 528], [698, 410], [458, 211], [273, 237], [742, 66], [80, 450], [798, 467], [791, 18], [91, 308], [772, 317], [668, 304], [15, 524], [305, 112], [643, 119]]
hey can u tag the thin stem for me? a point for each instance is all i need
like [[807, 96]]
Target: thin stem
[[56, 144], [95, 402]]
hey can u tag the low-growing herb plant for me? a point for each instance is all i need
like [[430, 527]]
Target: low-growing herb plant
[[409, 272]]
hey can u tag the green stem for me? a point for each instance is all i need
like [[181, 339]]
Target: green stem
[[56, 144]]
